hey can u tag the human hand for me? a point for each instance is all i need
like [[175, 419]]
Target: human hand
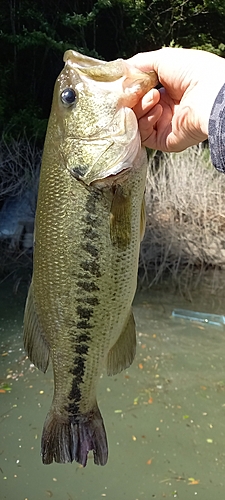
[[176, 116]]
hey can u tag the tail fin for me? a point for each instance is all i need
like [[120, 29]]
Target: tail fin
[[72, 440]]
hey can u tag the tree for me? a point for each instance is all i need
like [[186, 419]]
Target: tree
[[35, 33]]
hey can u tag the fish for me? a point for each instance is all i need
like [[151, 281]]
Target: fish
[[89, 222]]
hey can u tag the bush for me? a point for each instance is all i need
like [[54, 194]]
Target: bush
[[185, 198], [20, 161], [19, 175]]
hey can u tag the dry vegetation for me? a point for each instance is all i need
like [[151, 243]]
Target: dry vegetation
[[19, 166], [185, 199], [19, 172]]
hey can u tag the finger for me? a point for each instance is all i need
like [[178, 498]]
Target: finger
[[151, 141], [148, 123], [145, 61], [145, 104]]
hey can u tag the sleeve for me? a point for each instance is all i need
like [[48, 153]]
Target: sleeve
[[216, 134]]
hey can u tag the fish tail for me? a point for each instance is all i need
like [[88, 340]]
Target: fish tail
[[72, 439]]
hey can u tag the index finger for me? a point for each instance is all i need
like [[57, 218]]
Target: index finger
[[147, 102]]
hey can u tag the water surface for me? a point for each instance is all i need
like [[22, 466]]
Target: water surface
[[164, 416]]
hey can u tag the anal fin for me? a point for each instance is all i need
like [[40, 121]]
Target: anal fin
[[122, 354], [35, 343]]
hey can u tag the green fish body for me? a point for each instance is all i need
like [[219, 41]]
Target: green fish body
[[89, 224]]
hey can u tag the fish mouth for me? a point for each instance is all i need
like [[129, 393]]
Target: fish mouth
[[129, 81]]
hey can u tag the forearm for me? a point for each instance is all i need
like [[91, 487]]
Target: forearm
[[216, 132]]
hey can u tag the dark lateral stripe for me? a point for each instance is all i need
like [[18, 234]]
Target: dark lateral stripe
[[82, 349], [92, 301], [84, 325], [78, 368], [94, 196], [84, 337], [88, 286], [75, 394], [91, 266], [77, 371], [73, 407], [84, 312], [88, 272], [91, 249], [91, 220], [90, 233]]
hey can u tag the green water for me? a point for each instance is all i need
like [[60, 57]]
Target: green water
[[165, 416]]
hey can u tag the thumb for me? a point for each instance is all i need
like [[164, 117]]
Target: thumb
[[145, 61]]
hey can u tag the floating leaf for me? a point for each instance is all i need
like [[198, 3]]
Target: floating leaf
[[49, 493], [5, 387], [193, 481]]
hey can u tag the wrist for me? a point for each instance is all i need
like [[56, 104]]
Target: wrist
[[217, 131], [214, 99]]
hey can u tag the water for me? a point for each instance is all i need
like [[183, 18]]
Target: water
[[165, 416]]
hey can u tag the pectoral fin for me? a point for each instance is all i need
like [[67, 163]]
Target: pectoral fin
[[120, 219], [143, 219], [121, 355], [34, 339]]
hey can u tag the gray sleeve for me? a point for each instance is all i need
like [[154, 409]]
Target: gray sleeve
[[216, 133]]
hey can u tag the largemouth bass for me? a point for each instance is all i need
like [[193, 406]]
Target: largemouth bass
[[89, 223]]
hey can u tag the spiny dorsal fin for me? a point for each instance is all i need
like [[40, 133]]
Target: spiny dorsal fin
[[120, 219], [34, 339], [121, 355]]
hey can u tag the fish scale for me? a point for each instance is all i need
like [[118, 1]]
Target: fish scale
[[88, 227]]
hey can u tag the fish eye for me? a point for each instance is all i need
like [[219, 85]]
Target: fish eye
[[68, 96]]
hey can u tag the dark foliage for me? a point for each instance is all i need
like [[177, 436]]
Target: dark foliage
[[35, 33]]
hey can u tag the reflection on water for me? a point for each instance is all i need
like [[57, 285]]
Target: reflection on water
[[165, 416]]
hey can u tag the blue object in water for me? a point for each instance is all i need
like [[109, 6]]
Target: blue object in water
[[200, 317]]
